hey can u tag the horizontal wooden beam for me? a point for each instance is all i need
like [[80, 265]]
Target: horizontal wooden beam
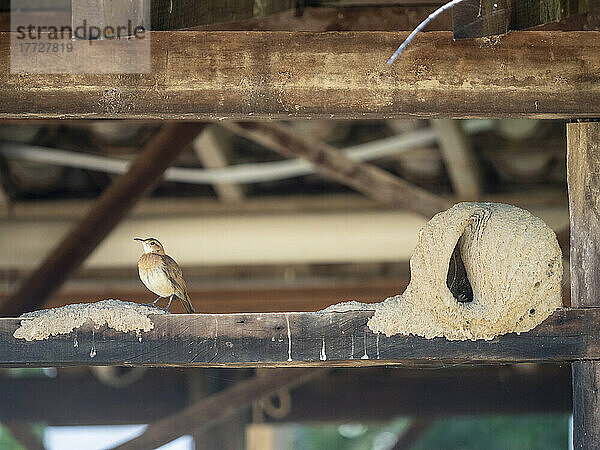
[[296, 340], [250, 238], [371, 394], [258, 75], [149, 207], [384, 394]]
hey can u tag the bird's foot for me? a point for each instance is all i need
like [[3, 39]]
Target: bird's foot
[[153, 304], [166, 308]]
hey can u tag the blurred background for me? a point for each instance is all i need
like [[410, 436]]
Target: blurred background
[[255, 231]]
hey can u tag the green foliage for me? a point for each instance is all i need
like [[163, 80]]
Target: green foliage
[[548, 432], [543, 432]]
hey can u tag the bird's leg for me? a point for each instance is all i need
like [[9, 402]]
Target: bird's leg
[[153, 303], [170, 300]]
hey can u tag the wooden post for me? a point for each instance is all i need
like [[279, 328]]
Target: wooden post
[[583, 167]]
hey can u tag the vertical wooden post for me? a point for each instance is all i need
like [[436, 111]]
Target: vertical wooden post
[[210, 147], [583, 177]]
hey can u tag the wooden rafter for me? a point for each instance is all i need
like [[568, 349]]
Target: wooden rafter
[[372, 181], [242, 75], [462, 166], [210, 147]]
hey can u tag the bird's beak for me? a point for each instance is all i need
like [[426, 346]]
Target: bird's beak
[[138, 239]]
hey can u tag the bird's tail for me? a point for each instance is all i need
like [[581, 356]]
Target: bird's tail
[[187, 304]]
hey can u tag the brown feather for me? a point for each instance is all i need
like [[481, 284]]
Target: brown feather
[[173, 272]]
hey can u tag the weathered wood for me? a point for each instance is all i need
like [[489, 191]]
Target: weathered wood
[[372, 181], [102, 218], [583, 169], [583, 176], [314, 339], [586, 405], [210, 75], [460, 161], [219, 407]]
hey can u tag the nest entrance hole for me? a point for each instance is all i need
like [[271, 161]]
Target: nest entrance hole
[[457, 280]]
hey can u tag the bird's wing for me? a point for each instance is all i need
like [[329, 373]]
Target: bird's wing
[[173, 272]]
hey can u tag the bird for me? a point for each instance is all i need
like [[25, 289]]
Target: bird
[[161, 274]]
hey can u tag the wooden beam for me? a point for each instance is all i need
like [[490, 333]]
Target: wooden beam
[[219, 407], [372, 181], [210, 147], [370, 394], [257, 75], [344, 395], [242, 239], [168, 206], [251, 238], [313, 339], [583, 166], [114, 203], [459, 159]]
